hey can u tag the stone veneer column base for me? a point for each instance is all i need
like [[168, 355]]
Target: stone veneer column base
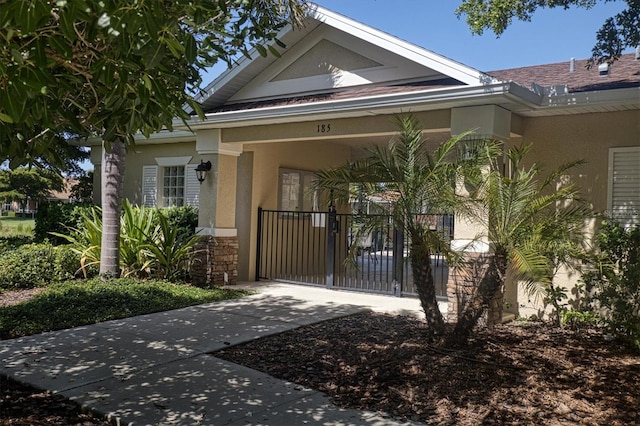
[[462, 286], [215, 256]]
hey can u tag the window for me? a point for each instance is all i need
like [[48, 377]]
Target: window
[[296, 190], [172, 182], [173, 186], [624, 185]]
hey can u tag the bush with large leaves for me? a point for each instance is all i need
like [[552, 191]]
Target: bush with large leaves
[[152, 244]]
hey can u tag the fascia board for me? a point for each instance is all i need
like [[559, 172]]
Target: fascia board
[[163, 136], [241, 64], [628, 96], [386, 41], [372, 105]]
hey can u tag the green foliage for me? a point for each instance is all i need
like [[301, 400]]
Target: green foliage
[[615, 281], [13, 242], [36, 265], [24, 184], [136, 231], [578, 320], [151, 243], [169, 254], [57, 217], [82, 190], [86, 239], [617, 33], [556, 296], [416, 181], [74, 303], [124, 67], [184, 219], [525, 215]]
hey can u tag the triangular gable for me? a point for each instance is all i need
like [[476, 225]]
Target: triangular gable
[[332, 53]]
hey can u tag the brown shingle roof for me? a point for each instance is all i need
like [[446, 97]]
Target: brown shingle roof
[[623, 73], [341, 94]]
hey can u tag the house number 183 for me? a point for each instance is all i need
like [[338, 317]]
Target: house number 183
[[324, 128]]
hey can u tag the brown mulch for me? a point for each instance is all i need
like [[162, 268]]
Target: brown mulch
[[520, 373], [24, 405], [14, 297], [526, 373]]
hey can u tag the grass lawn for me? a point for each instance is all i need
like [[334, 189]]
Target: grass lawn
[[16, 226], [75, 303]]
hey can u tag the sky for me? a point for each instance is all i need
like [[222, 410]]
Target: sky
[[553, 35]]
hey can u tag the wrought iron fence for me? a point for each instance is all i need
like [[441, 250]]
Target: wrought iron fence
[[329, 249]]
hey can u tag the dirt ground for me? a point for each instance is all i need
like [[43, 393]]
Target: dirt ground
[[520, 373]]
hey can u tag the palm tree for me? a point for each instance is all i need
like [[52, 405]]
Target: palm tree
[[525, 218], [418, 183]]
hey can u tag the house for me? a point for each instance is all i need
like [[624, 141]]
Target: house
[[31, 206], [272, 121]]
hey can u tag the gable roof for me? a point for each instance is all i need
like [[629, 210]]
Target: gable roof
[[396, 75], [385, 61]]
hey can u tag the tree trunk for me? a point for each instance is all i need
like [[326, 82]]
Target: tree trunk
[[489, 287], [425, 285], [113, 162]]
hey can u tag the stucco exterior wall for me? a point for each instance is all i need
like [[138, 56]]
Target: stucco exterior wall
[[557, 140], [145, 155], [588, 137], [267, 160]]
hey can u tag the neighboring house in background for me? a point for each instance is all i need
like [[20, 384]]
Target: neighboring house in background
[[271, 122], [32, 205]]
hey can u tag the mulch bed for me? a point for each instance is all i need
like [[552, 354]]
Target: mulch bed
[[24, 405], [520, 373]]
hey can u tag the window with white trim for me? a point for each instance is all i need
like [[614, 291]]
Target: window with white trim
[[624, 185], [172, 182], [296, 190], [173, 187]]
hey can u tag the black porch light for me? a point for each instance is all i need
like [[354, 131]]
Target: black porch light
[[202, 169]]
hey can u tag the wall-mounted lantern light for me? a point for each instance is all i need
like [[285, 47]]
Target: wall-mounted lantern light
[[202, 169]]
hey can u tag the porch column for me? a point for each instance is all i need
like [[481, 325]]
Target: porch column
[[470, 235], [217, 259]]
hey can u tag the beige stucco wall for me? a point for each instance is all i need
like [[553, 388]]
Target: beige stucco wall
[[588, 137], [145, 155], [267, 160], [361, 129]]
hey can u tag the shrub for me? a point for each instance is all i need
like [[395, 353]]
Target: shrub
[[184, 219], [36, 265], [152, 242], [615, 282], [13, 242], [169, 253], [57, 217], [74, 303]]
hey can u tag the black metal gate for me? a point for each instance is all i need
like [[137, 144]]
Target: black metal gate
[[313, 248]]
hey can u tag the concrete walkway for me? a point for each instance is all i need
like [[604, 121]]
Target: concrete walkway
[[156, 369]]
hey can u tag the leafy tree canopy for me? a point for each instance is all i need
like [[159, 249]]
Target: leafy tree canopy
[[616, 34], [23, 183], [83, 189], [116, 67]]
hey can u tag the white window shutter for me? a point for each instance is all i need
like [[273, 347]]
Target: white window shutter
[[192, 190], [624, 185], [149, 185]]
